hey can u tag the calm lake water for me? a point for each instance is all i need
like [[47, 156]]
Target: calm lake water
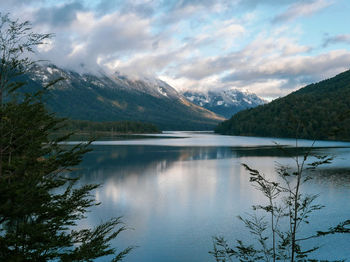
[[177, 192]]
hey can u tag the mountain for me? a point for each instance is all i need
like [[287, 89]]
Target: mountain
[[225, 102], [103, 97], [317, 111]]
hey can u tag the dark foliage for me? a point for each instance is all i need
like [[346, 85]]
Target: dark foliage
[[103, 99], [317, 111], [40, 205], [277, 227], [120, 127]]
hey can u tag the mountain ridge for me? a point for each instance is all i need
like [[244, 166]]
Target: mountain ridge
[[317, 111], [224, 102], [117, 97]]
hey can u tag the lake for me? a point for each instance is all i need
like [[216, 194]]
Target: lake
[[178, 191]]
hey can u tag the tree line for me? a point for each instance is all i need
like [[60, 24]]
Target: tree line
[[317, 111], [111, 128], [41, 205]]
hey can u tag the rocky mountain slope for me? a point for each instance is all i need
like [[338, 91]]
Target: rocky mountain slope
[[317, 111], [103, 97], [225, 102]]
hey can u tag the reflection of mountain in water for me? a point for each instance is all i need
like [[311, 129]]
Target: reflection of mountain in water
[[177, 198], [333, 176], [123, 160], [143, 155], [106, 161]]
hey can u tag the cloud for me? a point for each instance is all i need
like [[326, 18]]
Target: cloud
[[329, 40], [268, 66], [20, 2], [58, 15], [255, 3], [145, 64], [302, 8], [296, 66], [294, 71], [94, 40], [169, 54], [143, 8], [260, 50], [107, 6], [185, 4], [192, 44]]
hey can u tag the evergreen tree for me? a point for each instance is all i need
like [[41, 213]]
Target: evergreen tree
[[40, 206]]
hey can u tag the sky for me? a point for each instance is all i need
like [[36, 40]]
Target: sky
[[268, 47]]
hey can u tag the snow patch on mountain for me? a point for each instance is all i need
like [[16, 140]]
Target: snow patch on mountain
[[101, 96], [151, 86], [224, 102]]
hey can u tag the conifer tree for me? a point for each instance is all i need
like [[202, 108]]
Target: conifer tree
[[40, 205]]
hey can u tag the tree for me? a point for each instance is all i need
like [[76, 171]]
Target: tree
[[16, 40], [40, 205], [285, 204]]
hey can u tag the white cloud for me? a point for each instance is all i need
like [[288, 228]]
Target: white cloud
[[344, 38], [191, 44], [302, 8], [89, 38], [46, 46]]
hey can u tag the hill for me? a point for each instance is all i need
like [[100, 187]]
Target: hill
[[224, 102], [117, 97], [317, 111]]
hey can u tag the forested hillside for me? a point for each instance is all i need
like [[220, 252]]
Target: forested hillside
[[103, 97], [317, 111]]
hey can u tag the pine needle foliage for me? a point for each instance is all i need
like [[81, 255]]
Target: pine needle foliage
[[40, 204]]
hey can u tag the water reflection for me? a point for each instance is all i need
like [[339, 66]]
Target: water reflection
[[204, 139], [177, 198]]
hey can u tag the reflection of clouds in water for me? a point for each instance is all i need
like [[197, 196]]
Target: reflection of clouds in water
[[333, 177], [189, 176], [97, 196], [185, 188], [197, 139], [177, 198], [180, 182], [111, 192], [162, 165]]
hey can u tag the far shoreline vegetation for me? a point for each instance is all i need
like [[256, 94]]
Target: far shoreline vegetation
[[82, 128], [42, 207], [318, 111]]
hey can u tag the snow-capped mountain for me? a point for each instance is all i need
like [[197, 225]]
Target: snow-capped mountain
[[151, 86], [104, 97], [224, 102]]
